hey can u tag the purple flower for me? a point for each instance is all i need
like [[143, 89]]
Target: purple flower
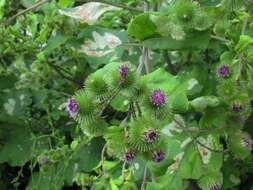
[[224, 71], [129, 156], [157, 98], [247, 142], [215, 187], [158, 156], [123, 71], [72, 107], [150, 135], [236, 107]]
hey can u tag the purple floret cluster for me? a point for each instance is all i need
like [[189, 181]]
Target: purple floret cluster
[[236, 107], [158, 98], [123, 71], [72, 107], [224, 71], [158, 156], [151, 135], [129, 156]]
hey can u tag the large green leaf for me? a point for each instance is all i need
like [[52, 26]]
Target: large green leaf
[[15, 103], [191, 164], [17, 145], [88, 156], [161, 79], [194, 40]]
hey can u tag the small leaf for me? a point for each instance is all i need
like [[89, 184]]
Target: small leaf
[[141, 27], [201, 103]]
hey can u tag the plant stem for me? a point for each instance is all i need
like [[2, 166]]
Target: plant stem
[[103, 158], [58, 70], [145, 51], [35, 6], [170, 67], [120, 5], [220, 38], [144, 181], [195, 139]]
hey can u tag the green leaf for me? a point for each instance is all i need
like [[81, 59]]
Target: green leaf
[[178, 101], [17, 145], [142, 27], [191, 164], [213, 118], [88, 12], [202, 103], [153, 186], [15, 103], [53, 43], [244, 42], [162, 80], [194, 40], [120, 103], [101, 45], [2, 4], [173, 181], [66, 3], [92, 152]]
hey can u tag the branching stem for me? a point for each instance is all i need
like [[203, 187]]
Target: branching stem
[[35, 6]]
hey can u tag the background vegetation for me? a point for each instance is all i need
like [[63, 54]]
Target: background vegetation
[[197, 53]]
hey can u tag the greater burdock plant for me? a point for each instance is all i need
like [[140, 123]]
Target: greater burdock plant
[[137, 95]]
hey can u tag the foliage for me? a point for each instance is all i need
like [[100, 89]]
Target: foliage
[[78, 111]]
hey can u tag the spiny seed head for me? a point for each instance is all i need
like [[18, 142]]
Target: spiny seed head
[[237, 107], [72, 107], [158, 98], [247, 142], [123, 70], [128, 156], [151, 135], [224, 71], [215, 186], [158, 156]]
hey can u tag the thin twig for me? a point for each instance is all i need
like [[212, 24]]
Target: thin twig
[[58, 70], [209, 148], [35, 6], [120, 5]]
